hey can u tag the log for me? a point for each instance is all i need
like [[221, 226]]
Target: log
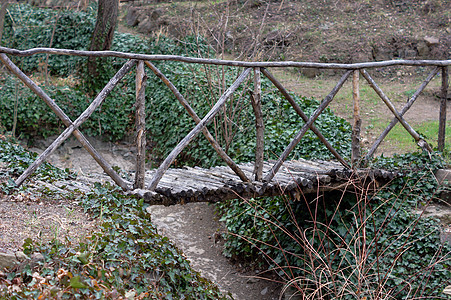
[[422, 143], [82, 118], [196, 118], [245, 64], [205, 121], [259, 126], [306, 126], [442, 117], [401, 113], [140, 116]]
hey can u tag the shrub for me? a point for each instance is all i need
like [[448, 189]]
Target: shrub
[[350, 245]]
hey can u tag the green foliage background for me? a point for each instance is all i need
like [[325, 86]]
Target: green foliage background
[[167, 122]]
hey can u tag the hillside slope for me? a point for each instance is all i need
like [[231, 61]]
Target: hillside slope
[[308, 30]]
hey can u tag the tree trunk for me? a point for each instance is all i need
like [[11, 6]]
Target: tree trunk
[[103, 34], [4, 5]]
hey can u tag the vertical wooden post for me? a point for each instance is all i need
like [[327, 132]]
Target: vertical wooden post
[[442, 118], [357, 121], [140, 122], [259, 125]]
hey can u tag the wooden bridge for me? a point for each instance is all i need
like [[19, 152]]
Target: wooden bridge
[[166, 185]]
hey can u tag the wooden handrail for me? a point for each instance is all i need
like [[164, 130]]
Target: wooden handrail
[[245, 64]]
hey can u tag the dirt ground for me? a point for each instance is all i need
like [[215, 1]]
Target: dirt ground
[[194, 228]]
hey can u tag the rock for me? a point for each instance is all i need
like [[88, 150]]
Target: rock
[[20, 256], [264, 291], [37, 256], [132, 17], [310, 72], [292, 294], [410, 54], [157, 13], [8, 260], [130, 295], [423, 49], [430, 41], [444, 178], [146, 25]]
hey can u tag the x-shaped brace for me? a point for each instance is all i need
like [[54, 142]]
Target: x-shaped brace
[[72, 127]]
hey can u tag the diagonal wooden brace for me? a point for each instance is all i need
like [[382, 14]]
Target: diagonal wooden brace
[[401, 113], [196, 130], [420, 142], [196, 119], [271, 173], [72, 127], [304, 117]]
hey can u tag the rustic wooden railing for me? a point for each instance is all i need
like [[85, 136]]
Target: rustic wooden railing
[[257, 68]]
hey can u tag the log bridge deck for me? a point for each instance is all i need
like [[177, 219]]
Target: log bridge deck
[[294, 178]]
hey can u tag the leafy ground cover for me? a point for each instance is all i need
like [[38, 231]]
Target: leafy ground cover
[[356, 243], [123, 257]]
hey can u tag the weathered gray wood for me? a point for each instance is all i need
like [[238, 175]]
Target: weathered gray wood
[[140, 116], [420, 142], [66, 121], [259, 126], [306, 126], [196, 118], [401, 113], [442, 118], [304, 117], [196, 130], [246, 64], [220, 183], [355, 144]]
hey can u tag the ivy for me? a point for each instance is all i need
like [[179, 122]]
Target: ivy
[[125, 256], [343, 244]]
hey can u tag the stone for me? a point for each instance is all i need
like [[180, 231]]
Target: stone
[[310, 72], [430, 40], [37, 256], [20, 256], [132, 17], [146, 26], [423, 49], [444, 178], [291, 293], [8, 260]]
